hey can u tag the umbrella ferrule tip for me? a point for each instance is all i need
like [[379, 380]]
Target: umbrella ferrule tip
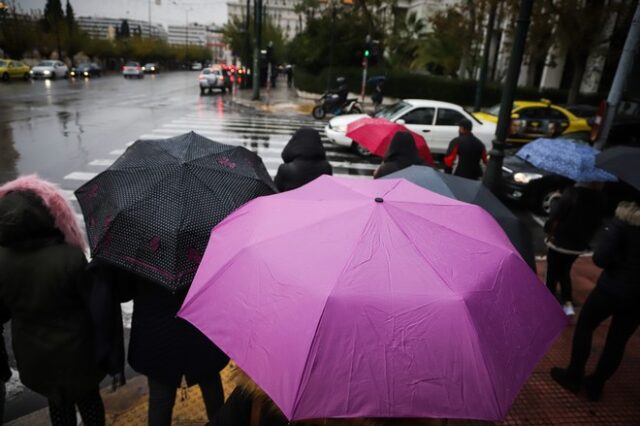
[[379, 199]]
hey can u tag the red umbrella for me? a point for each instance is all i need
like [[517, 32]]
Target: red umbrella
[[375, 134]]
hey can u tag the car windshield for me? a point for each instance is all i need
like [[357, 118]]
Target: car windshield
[[132, 64], [206, 72], [3, 64], [391, 110], [84, 65], [149, 65], [46, 64]]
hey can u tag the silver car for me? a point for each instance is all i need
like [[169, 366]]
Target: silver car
[[132, 69], [213, 78]]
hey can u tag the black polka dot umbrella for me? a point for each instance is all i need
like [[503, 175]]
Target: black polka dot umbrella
[[152, 211]]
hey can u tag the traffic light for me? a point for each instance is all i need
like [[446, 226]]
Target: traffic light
[[366, 52]]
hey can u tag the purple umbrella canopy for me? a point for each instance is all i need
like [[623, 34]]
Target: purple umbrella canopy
[[348, 298]]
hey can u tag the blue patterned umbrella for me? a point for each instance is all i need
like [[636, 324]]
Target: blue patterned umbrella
[[565, 157]]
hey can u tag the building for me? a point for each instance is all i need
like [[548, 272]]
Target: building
[[219, 50], [193, 34], [105, 28], [281, 12]]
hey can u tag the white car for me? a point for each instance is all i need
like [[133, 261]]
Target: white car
[[132, 69], [50, 69], [436, 121]]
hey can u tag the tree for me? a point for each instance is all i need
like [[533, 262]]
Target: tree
[[578, 30], [17, 33], [124, 31], [235, 36], [53, 22], [409, 34], [74, 38]]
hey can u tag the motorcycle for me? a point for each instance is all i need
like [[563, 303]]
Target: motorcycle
[[327, 104]]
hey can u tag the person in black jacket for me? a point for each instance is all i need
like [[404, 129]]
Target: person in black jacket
[[571, 225], [5, 370], [43, 284], [616, 295], [402, 153], [304, 160], [469, 151], [163, 347]]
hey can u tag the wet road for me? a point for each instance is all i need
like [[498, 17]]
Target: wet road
[[69, 130]]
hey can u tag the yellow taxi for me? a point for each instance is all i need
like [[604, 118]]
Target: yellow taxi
[[535, 119], [13, 69]]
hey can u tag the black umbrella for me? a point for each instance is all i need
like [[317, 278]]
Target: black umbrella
[[473, 192], [152, 211], [622, 161]]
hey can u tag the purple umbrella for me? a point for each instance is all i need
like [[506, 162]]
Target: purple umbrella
[[350, 298]]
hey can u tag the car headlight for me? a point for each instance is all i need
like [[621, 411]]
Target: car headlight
[[153, 68], [525, 178], [46, 72], [30, 71], [86, 73], [340, 129]]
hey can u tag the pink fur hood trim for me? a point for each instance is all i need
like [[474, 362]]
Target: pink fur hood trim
[[61, 210]]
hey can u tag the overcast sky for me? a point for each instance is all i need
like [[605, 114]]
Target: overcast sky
[[166, 12]]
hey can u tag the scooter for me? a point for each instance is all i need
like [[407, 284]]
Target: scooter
[[327, 104]]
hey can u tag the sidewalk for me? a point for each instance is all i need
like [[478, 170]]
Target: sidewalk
[[540, 402]]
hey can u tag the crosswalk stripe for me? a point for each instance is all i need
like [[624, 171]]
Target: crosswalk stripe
[[219, 130], [241, 125], [101, 163], [117, 152], [68, 194], [256, 119], [82, 176]]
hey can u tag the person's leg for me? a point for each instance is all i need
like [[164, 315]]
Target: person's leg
[[162, 396], [552, 270], [92, 409], [596, 309], [624, 323], [213, 395], [62, 414], [3, 395], [564, 276]]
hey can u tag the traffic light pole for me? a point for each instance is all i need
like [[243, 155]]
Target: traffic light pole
[[494, 168], [365, 65], [621, 78], [256, 49]]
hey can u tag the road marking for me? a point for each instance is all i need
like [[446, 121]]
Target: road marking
[[539, 220], [219, 130], [68, 194], [117, 152], [102, 162], [83, 176]]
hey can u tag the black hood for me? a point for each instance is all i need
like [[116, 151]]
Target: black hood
[[304, 144], [402, 149], [25, 221]]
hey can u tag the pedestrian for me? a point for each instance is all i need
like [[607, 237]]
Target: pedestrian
[[573, 222], [402, 153], [304, 160], [469, 151], [44, 287], [5, 370], [249, 405], [166, 348], [289, 71], [616, 295]]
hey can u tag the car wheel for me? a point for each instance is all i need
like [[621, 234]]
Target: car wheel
[[548, 199], [360, 150], [355, 110], [53, 76], [5, 76], [26, 76], [201, 91], [66, 74], [318, 112]]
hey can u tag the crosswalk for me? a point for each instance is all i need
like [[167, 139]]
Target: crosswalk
[[266, 135]]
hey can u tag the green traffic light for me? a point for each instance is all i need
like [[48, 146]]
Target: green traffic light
[[366, 53]]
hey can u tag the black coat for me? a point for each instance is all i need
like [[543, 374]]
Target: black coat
[[44, 286], [575, 218], [236, 411], [5, 370], [304, 160], [162, 345], [618, 252], [402, 153], [470, 151]]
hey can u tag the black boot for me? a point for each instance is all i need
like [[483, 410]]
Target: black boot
[[564, 379], [593, 388]]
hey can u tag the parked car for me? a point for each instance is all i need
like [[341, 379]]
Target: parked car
[[13, 69], [151, 68], [50, 69], [436, 121], [532, 120], [132, 69], [214, 78], [196, 66], [88, 69]]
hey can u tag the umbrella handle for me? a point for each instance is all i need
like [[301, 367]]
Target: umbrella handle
[[256, 412]]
